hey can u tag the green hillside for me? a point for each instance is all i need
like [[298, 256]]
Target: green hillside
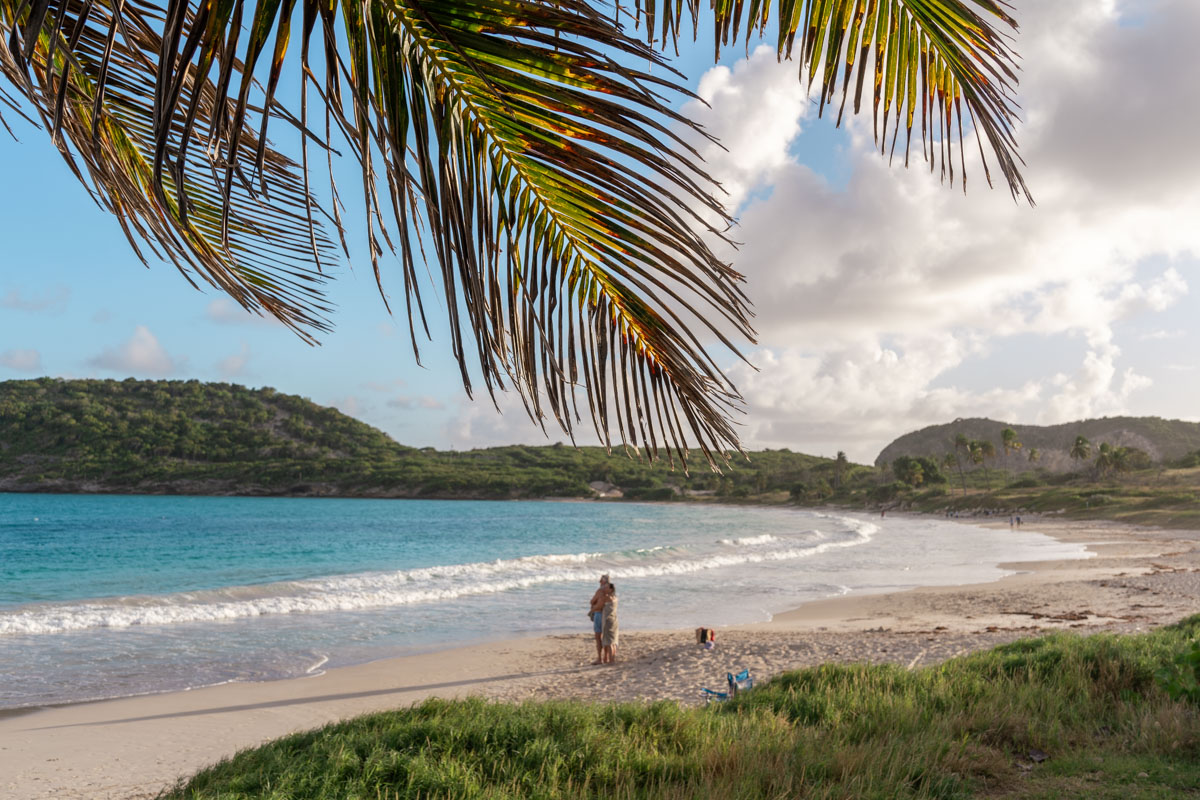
[[215, 438], [1163, 440]]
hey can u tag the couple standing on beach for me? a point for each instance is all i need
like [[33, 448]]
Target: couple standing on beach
[[603, 613]]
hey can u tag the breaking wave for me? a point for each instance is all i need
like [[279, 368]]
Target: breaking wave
[[399, 588]]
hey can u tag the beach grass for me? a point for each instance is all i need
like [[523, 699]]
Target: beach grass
[[1051, 717]]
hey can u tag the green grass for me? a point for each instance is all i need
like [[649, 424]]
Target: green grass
[[972, 727]]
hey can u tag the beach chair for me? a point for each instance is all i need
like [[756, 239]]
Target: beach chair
[[737, 683], [740, 682]]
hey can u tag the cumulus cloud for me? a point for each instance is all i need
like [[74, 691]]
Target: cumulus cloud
[[22, 360], [349, 405], [140, 354], [870, 293], [235, 365], [224, 311], [1160, 335], [405, 402], [476, 424], [52, 300], [760, 107], [385, 386]]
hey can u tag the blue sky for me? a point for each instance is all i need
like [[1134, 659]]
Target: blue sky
[[886, 301]]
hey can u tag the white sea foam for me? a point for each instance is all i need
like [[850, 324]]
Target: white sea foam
[[404, 587], [749, 541]]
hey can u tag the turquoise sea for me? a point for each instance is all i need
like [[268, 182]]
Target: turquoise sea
[[107, 596]]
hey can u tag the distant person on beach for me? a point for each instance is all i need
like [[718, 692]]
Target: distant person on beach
[[596, 613], [610, 635]]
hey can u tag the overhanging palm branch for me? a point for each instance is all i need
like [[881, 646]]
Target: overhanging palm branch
[[942, 54], [530, 145]]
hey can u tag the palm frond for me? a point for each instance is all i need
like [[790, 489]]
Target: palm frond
[[564, 165], [147, 143], [530, 146], [926, 58]]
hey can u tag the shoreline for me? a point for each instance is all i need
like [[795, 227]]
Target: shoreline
[[131, 748], [483, 640]]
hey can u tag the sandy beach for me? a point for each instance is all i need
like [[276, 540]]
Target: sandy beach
[[134, 747]]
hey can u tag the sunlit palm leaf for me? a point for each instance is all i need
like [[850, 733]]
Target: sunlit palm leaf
[[529, 144], [559, 161], [922, 58], [88, 71]]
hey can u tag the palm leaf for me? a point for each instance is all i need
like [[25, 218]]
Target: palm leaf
[[87, 70], [925, 58], [530, 145]]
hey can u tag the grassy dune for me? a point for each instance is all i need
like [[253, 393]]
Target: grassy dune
[[1167, 497], [1058, 716]]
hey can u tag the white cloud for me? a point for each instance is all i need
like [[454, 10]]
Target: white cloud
[[385, 386], [22, 360], [224, 311], [761, 104], [235, 365], [140, 354], [405, 402], [52, 300], [868, 293], [349, 405], [1160, 335], [476, 423]]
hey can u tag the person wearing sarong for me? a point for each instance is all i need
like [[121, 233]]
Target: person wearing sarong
[[596, 614], [611, 635]]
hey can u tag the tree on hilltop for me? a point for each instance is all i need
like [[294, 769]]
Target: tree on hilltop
[[980, 451], [909, 470], [1081, 449], [531, 147], [1010, 442], [839, 468], [962, 445]]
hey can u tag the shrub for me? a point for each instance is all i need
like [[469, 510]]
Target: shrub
[[656, 493], [1025, 483], [1181, 679]]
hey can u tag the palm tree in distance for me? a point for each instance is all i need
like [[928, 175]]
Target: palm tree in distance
[[839, 468], [949, 460], [963, 445], [529, 147], [1105, 459], [987, 450], [1010, 443], [1081, 449]]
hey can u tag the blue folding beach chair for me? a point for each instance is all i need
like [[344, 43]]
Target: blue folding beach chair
[[737, 683], [740, 682]]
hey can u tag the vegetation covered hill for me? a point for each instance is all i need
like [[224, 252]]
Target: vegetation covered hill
[[193, 437], [188, 437], [1163, 440]]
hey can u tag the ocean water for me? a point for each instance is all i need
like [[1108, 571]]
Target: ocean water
[[108, 596]]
